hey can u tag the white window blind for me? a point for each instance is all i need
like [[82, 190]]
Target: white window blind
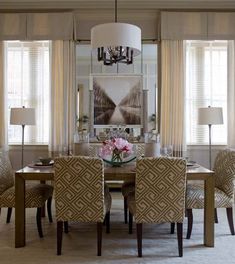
[[27, 83], [206, 84]]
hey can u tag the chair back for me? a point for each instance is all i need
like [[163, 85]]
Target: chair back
[[79, 189], [160, 190], [6, 173], [224, 169]]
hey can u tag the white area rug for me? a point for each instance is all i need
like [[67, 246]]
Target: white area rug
[[79, 246]]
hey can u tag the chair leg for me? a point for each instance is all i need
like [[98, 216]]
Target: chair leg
[[139, 238], [66, 227], [107, 222], [230, 219], [190, 223], [99, 238], [39, 222], [9, 211], [125, 210], [130, 222], [216, 216], [180, 238], [59, 236], [172, 228], [49, 209]]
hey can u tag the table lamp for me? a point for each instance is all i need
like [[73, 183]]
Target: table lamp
[[210, 116], [22, 116]]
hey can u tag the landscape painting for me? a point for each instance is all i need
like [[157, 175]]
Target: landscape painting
[[117, 100]]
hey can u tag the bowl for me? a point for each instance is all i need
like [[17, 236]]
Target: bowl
[[45, 161]]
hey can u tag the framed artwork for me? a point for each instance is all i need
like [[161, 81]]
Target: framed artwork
[[117, 100]]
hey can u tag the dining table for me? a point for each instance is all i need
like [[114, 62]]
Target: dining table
[[123, 173]]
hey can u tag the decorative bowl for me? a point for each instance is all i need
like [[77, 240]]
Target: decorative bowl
[[119, 163], [45, 161]]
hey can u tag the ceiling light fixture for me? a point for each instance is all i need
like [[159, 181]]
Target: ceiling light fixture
[[116, 42]]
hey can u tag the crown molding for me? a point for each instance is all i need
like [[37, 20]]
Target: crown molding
[[125, 4]]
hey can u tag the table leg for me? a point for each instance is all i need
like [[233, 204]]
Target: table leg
[[19, 211], [209, 211]]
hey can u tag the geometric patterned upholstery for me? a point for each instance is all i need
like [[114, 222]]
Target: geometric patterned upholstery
[[80, 194], [6, 173], [159, 190], [35, 195], [224, 173]]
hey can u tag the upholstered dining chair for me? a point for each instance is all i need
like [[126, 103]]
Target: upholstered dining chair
[[80, 195], [35, 195], [224, 169], [159, 195]]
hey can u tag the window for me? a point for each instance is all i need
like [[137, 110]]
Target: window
[[27, 84], [206, 84]]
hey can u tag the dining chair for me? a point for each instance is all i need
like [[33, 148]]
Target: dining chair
[[80, 195], [159, 195], [224, 173], [35, 195]]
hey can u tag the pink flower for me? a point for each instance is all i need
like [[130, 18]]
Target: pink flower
[[117, 144]]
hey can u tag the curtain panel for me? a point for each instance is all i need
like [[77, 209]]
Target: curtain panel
[[63, 99], [3, 103], [172, 95], [231, 94]]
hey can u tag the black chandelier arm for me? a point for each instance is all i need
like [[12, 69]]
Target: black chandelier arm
[[117, 57]]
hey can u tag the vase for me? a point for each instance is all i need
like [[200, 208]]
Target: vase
[[117, 158]]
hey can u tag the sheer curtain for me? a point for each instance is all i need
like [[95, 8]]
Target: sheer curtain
[[231, 94], [172, 95], [63, 97], [3, 126]]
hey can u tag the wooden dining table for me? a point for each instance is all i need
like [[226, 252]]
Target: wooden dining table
[[126, 173]]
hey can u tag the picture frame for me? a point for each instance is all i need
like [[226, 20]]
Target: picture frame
[[117, 100]]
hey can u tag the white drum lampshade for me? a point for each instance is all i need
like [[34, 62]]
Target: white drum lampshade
[[22, 116], [116, 34], [210, 116]]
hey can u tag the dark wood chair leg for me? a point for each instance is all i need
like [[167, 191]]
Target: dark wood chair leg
[[49, 201], [59, 236], [139, 238], [130, 222], [172, 228], [66, 227], [190, 223], [216, 217], [99, 238], [107, 222], [180, 238], [125, 210], [39, 222], [9, 211], [230, 219]]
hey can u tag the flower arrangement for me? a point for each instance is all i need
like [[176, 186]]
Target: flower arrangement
[[115, 148]]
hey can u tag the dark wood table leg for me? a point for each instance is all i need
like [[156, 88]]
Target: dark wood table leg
[[209, 211], [19, 210]]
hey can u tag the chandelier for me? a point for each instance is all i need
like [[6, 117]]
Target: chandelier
[[116, 42]]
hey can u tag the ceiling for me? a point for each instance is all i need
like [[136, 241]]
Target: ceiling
[[123, 4]]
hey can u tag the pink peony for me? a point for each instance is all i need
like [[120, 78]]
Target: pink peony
[[115, 144]]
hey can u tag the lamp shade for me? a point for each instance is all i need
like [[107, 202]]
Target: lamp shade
[[116, 34], [22, 116], [210, 116]]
